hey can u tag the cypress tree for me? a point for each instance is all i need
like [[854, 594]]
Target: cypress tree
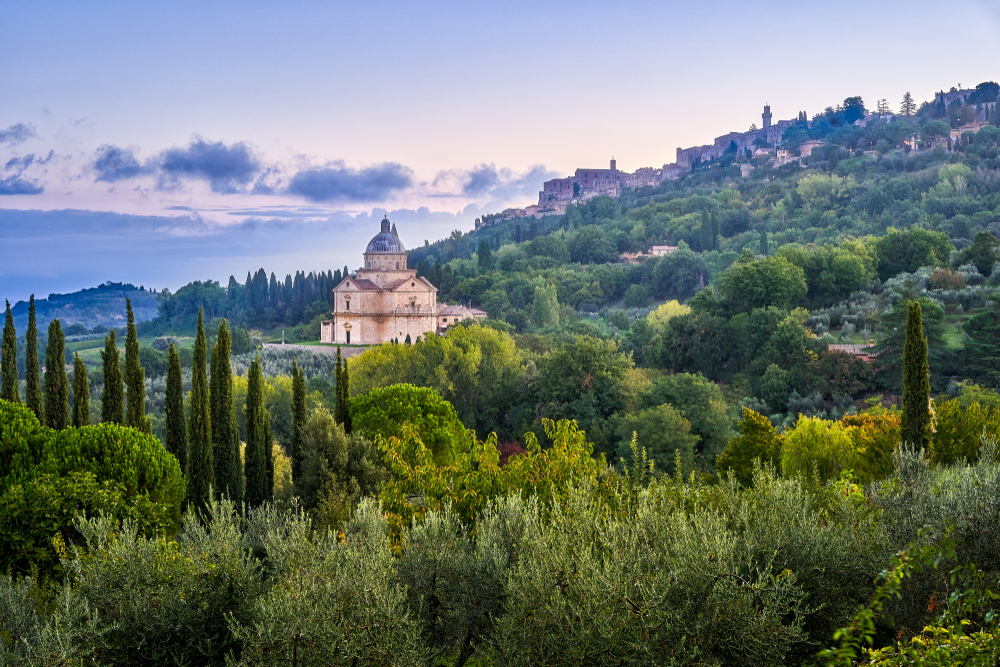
[[228, 472], [298, 418], [200, 466], [268, 458], [255, 465], [915, 421], [764, 246], [9, 390], [81, 394], [56, 383], [135, 377], [486, 263], [341, 411], [33, 390], [113, 395], [174, 411]]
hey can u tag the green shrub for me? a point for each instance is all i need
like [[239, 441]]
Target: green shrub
[[387, 411], [654, 586], [156, 601], [47, 477], [334, 599]]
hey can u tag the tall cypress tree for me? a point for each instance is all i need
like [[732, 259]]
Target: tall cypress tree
[[135, 377], [345, 399], [268, 458], [225, 447], [9, 390], [298, 418], [81, 394], [201, 471], [342, 394], [33, 390], [915, 421], [56, 383], [764, 246], [113, 395], [256, 460], [174, 411]]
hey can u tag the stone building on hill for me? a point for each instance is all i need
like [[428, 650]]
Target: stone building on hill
[[586, 184], [384, 300], [769, 135]]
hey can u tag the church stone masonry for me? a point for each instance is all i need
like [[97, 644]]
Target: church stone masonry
[[384, 300]]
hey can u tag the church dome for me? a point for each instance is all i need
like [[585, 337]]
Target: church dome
[[386, 241]]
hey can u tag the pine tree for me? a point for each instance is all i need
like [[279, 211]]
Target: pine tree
[[915, 421], [81, 394], [200, 466], [228, 472], [9, 390], [33, 390], [298, 418], [135, 377], [908, 107], [268, 458], [256, 459], [56, 383], [173, 410], [113, 395]]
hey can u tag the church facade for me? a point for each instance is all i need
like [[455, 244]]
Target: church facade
[[384, 300]]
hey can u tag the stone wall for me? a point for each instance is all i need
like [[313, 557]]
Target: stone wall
[[346, 352]]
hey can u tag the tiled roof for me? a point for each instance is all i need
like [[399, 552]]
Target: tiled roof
[[459, 310], [365, 284]]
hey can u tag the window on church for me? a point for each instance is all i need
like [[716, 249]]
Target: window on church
[[397, 266], [348, 302]]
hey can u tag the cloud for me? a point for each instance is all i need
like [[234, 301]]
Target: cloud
[[337, 183], [268, 183], [14, 182], [15, 134], [480, 180], [15, 185], [226, 168], [113, 164], [19, 164], [487, 181]]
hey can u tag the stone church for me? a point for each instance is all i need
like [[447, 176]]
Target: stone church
[[384, 300]]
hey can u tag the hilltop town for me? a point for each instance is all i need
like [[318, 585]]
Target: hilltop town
[[961, 106]]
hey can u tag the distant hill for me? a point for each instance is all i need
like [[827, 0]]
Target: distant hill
[[101, 306]]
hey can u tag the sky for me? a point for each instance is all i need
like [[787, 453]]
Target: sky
[[160, 143]]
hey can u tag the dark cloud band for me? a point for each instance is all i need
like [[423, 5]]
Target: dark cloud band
[[226, 168], [112, 164], [338, 183]]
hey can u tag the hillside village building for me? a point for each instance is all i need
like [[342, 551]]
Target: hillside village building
[[769, 135], [585, 184], [589, 183], [384, 300]]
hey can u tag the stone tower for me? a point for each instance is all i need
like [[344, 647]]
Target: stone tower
[[767, 116], [614, 165]]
